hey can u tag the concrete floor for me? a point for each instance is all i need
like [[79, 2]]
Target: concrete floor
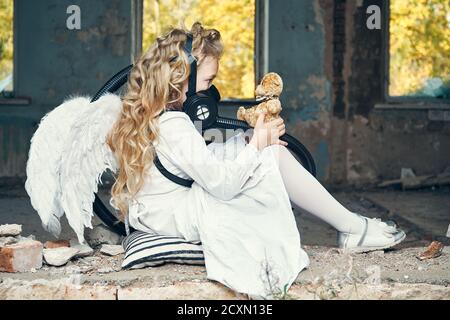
[[424, 215]]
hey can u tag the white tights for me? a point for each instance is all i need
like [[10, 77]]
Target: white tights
[[309, 194]]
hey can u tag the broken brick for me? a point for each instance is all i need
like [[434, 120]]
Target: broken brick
[[10, 230], [434, 250], [56, 244], [21, 257]]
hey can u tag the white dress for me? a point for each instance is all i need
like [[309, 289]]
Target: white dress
[[237, 207]]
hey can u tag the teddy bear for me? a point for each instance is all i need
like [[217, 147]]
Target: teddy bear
[[268, 91]]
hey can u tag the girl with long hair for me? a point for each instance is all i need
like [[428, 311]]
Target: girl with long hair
[[239, 205]]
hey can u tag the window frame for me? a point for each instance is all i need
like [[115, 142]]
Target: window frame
[[11, 94], [404, 102], [260, 53], [260, 45], [11, 98]]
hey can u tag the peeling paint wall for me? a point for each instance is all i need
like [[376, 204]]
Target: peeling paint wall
[[300, 53], [332, 66], [53, 63], [382, 141]]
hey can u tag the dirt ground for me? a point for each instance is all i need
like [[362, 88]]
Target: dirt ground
[[391, 274]]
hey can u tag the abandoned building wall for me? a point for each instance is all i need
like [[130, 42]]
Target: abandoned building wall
[[333, 70], [331, 63], [53, 63], [382, 141], [300, 51]]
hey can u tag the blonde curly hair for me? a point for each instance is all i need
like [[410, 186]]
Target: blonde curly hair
[[155, 83]]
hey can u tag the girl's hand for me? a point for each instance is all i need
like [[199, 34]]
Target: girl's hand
[[266, 134]]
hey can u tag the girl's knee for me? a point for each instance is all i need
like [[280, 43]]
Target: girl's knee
[[278, 151], [278, 148]]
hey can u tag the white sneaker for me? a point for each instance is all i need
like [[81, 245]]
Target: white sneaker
[[387, 235]]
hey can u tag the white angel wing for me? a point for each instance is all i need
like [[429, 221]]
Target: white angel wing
[[84, 160], [44, 158]]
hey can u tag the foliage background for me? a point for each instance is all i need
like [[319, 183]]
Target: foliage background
[[420, 47], [6, 38], [235, 19], [419, 41]]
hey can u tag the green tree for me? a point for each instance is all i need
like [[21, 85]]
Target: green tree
[[6, 38], [235, 21], [419, 44]]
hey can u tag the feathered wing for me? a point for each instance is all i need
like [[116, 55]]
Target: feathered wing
[[85, 158], [44, 159]]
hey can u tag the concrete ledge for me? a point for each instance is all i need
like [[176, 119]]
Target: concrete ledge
[[185, 290], [211, 290], [54, 290], [331, 275]]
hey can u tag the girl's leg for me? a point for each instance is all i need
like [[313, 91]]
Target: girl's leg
[[309, 194]]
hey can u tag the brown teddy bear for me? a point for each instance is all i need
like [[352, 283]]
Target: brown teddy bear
[[268, 91]]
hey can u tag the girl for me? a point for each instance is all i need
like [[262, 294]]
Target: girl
[[239, 204]]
